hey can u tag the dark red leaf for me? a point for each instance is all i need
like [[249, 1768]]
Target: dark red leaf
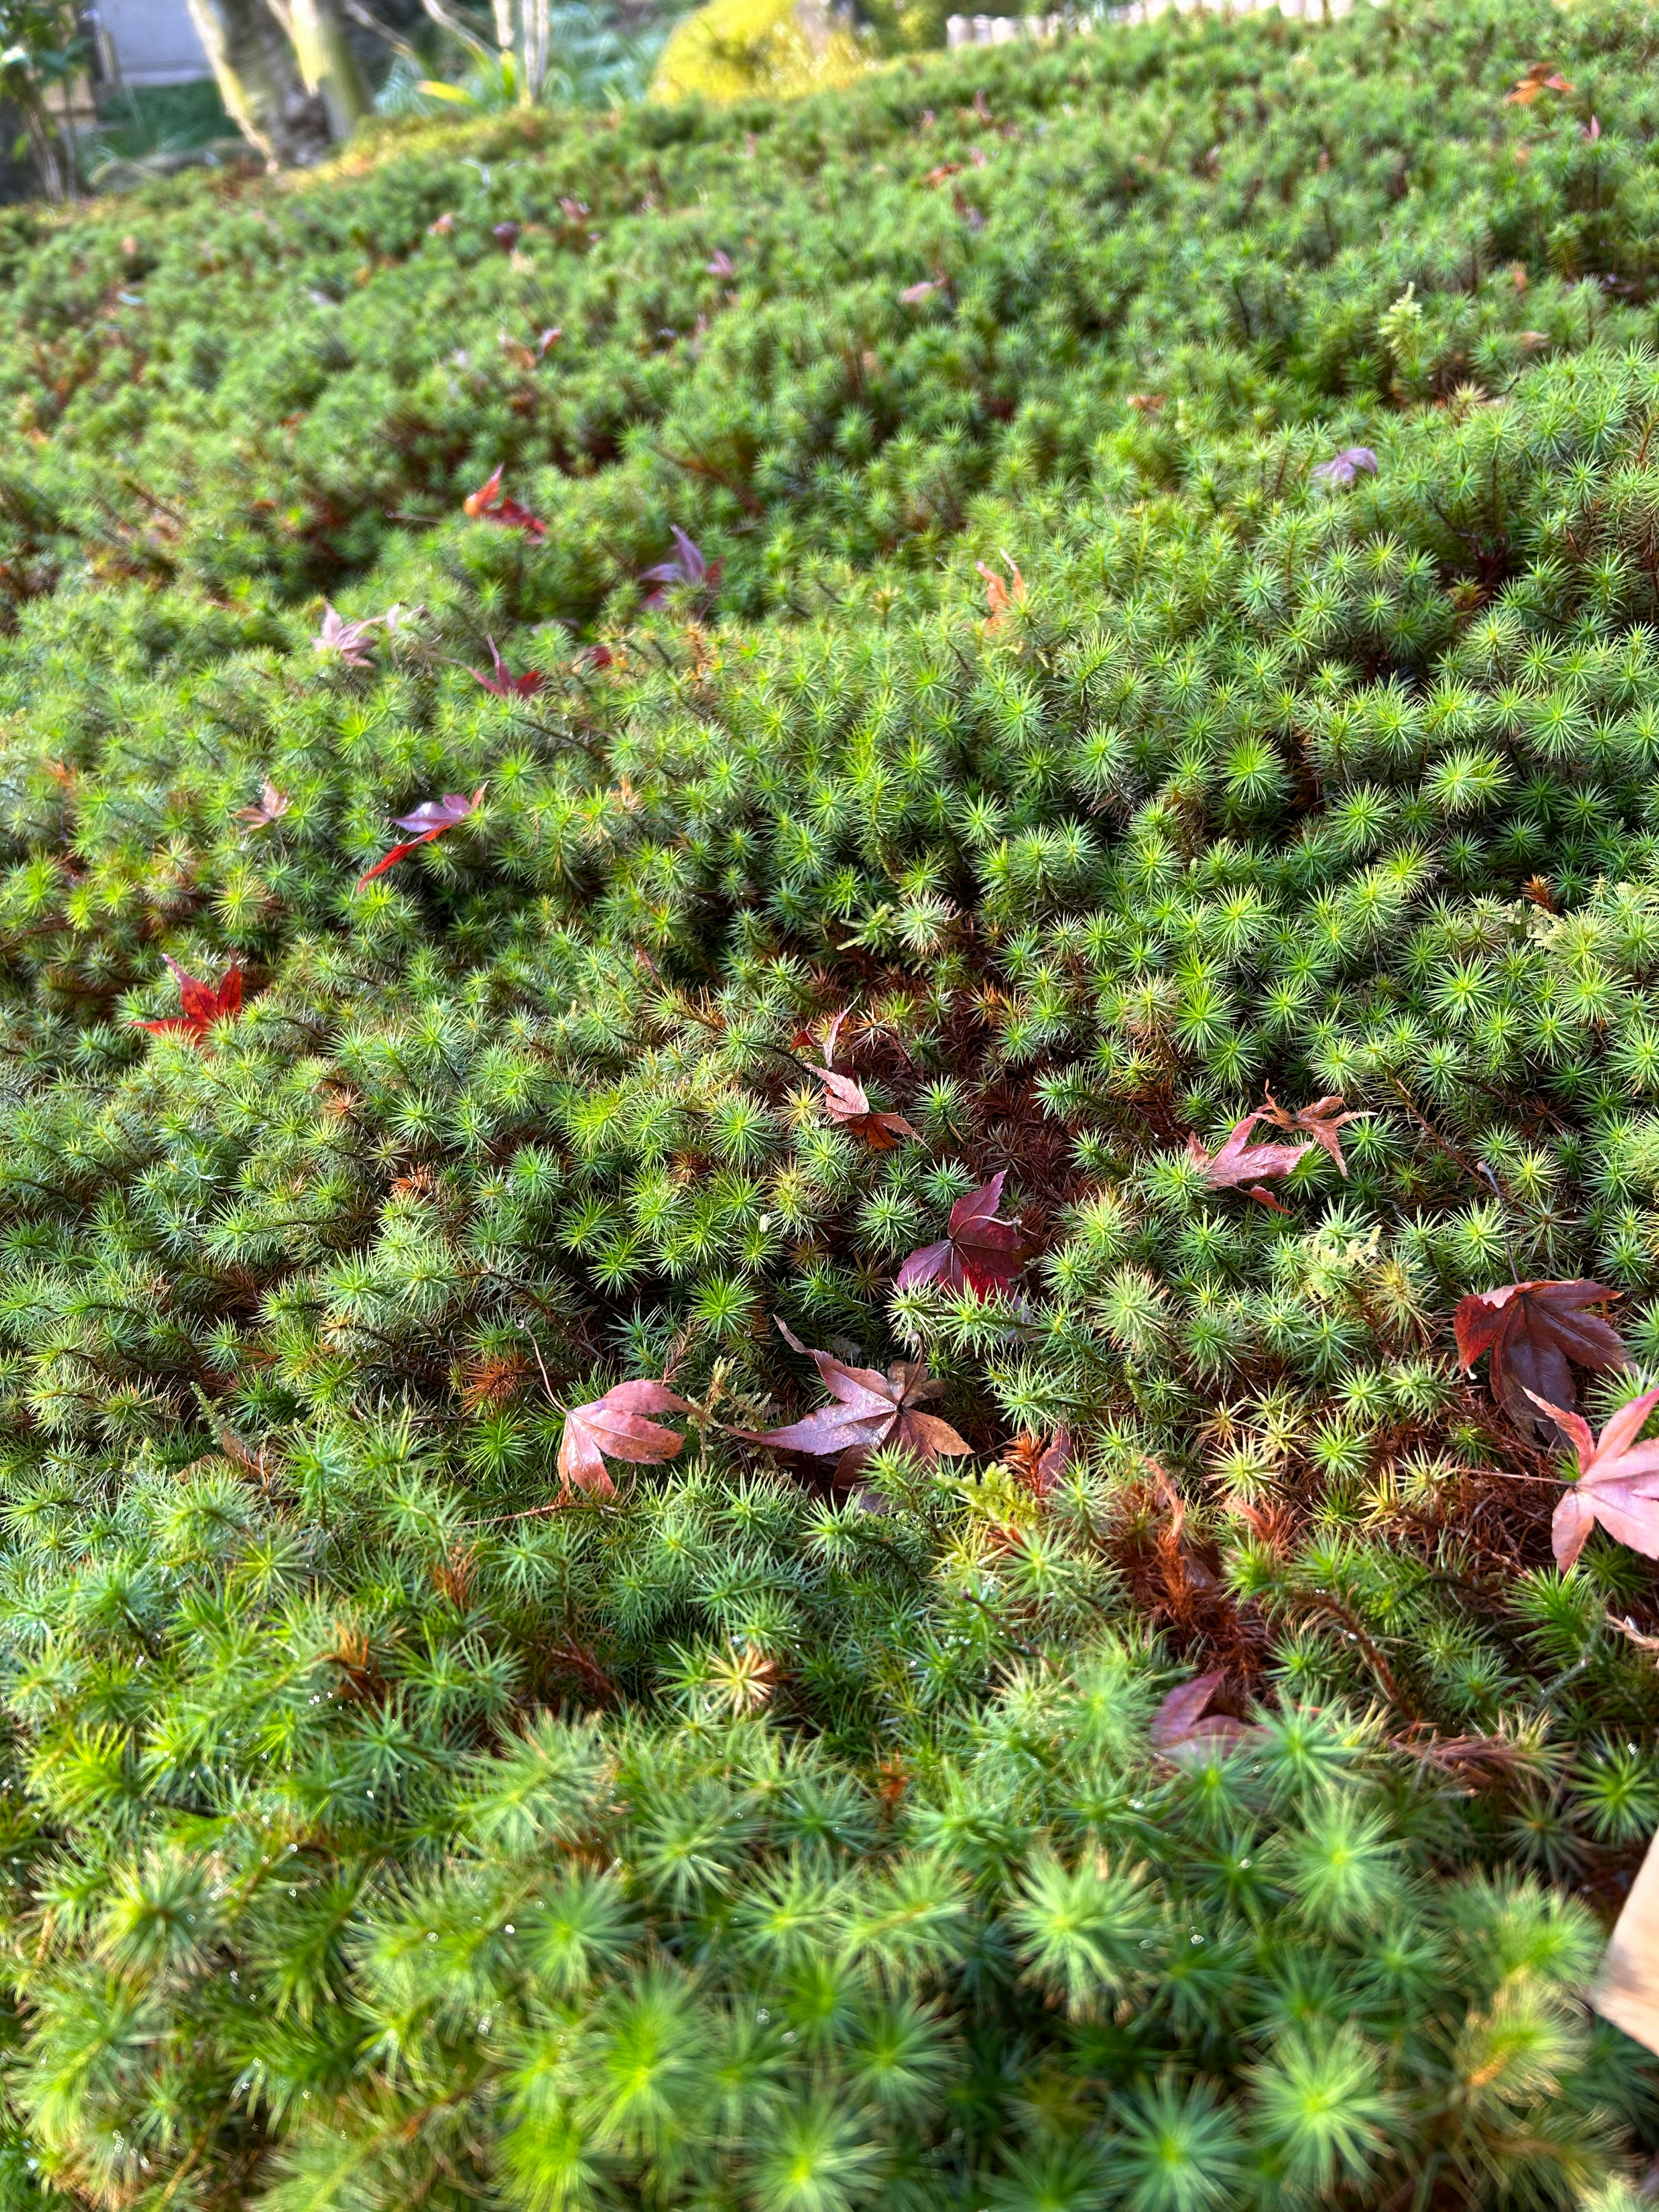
[[978, 1253], [1185, 1729], [491, 504], [1537, 1332]]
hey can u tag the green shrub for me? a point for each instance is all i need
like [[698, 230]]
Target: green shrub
[[859, 1875]]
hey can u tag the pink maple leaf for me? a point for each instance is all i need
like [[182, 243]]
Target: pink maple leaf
[[1618, 1480], [868, 1409], [611, 1428]]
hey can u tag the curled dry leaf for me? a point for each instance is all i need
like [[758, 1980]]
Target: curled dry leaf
[[1618, 1480], [1240, 1165], [1000, 598], [430, 819], [270, 805], [202, 1004], [490, 503], [612, 1427], [1537, 1332], [1036, 1465], [868, 1409], [1342, 468], [1541, 77], [688, 567], [351, 640], [848, 1103], [1187, 1732], [1322, 1121], [978, 1252]]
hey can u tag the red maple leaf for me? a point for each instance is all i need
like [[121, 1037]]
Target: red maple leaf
[[848, 1103], [1321, 1121], [1618, 1480], [1240, 1163], [611, 1428], [490, 503], [202, 1004], [431, 818], [978, 1253], [1537, 1332], [499, 683], [1186, 1731], [869, 1409]]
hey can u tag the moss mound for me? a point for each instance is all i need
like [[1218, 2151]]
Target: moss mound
[[1030, 611]]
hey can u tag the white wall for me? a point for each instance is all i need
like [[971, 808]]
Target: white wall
[[154, 40]]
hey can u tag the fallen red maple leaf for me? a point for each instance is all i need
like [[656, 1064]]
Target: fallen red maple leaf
[[978, 1252], [1536, 1333], [491, 504], [202, 1004], [848, 1103], [611, 1428], [871, 1409], [1618, 1480], [499, 683], [431, 818], [1239, 1163], [1319, 1121], [1185, 1729]]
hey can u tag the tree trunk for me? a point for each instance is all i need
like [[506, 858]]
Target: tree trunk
[[53, 159], [260, 81], [328, 65]]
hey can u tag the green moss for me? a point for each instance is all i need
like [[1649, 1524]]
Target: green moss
[[386, 1825]]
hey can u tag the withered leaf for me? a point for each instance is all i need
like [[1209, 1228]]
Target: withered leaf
[[1537, 1332], [270, 805], [1322, 1122], [848, 1103], [869, 1409], [1240, 1164], [1185, 1729]]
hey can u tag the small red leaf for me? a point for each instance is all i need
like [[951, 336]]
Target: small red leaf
[[431, 818], [202, 1004]]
